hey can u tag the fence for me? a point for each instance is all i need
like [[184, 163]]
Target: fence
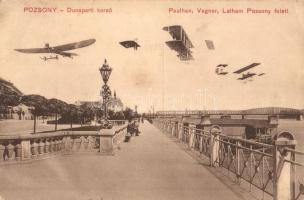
[[118, 122], [271, 168]]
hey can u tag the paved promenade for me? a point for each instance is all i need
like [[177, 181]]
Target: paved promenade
[[152, 166]]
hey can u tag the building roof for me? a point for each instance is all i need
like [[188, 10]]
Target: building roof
[[115, 103], [256, 123]]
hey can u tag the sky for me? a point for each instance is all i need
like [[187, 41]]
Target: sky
[[153, 75]]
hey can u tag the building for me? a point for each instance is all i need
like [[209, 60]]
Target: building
[[92, 104], [115, 104], [22, 112]]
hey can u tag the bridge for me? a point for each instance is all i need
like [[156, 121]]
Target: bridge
[[284, 112]]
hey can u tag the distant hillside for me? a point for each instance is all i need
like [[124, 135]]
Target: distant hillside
[[12, 96], [8, 88]]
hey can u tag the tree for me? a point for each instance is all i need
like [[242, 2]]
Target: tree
[[128, 113], [40, 104], [9, 100], [87, 112]]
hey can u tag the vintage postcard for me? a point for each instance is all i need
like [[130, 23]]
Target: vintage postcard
[[188, 99]]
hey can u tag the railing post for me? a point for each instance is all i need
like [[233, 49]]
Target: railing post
[[192, 134], [284, 172], [173, 128], [214, 145], [10, 151], [238, 160], [163, 124], [168, 127], [201, 141], [34, 149], [25, 149], [106, 146], [180, 130], [40, 148], [2, 150], [67, 143]]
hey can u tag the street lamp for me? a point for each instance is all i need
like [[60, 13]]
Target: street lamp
[[105, 72]]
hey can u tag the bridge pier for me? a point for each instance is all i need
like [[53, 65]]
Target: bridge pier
[[300, 117], [205, 120], [273, 119]]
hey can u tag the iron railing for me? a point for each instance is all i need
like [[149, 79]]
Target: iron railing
[[259, 164]]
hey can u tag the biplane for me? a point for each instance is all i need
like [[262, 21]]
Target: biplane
[[130, 44], [60, 50], [220, 69], [248, 74], [180, 43]]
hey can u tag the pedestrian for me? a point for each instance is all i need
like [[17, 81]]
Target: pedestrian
[[129, 131], [136, 128]]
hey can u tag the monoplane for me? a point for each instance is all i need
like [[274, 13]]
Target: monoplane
[[130, 44], [60, 50], [180, 43]]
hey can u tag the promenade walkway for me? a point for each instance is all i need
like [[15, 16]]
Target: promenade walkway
[[152, 166]]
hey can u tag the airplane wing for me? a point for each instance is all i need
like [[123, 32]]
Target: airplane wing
[[246, 68], [34, 50], [177, 32], [129, 43], [209, 44], [75, 45], [261, 74], [222, 65], [66, 54], [60, 48]]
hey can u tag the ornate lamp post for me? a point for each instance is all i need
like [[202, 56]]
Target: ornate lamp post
[[105, 72]]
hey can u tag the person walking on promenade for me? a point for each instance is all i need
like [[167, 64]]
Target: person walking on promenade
[[129, 131], [136, 127]]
